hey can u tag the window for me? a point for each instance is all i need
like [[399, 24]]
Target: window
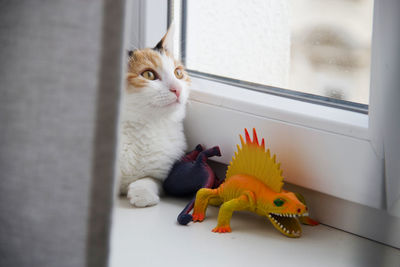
[[318, 145], [335, 151], [320, 50]]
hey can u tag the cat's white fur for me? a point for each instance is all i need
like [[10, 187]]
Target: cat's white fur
[[152, 137]]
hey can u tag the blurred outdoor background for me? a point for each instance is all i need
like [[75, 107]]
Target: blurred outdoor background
[[321, 47]]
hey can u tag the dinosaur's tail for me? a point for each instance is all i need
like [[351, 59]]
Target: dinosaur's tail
[[184, 217]]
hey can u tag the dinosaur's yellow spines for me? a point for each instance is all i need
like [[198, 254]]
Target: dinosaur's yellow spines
[[252, 159]]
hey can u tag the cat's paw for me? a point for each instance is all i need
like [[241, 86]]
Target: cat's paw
[[141, 196]]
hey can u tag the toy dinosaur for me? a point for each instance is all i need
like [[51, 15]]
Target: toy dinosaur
[[188, 175], [254, 183]]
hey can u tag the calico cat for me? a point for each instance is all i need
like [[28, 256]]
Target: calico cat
[[152, 138]]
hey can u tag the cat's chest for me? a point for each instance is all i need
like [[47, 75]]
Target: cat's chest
[[151, 149]]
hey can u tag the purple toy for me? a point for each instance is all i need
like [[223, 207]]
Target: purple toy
[[190, 174]]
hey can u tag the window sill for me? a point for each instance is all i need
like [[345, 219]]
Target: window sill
[[151, 237], [281, 109]]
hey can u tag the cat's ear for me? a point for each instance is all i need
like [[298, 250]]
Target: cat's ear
[[130, 53], [167, 42]]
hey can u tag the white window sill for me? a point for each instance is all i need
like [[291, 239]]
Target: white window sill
[[282, 109], [152, 237]]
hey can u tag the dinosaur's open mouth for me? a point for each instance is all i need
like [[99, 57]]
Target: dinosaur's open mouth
[[287, 224]]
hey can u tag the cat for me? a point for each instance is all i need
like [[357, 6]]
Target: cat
[[152, 137]]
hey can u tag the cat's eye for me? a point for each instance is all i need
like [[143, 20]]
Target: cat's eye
[[178, 73], [149, 75]]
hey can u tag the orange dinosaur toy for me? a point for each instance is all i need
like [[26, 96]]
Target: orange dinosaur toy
[[254, 183]]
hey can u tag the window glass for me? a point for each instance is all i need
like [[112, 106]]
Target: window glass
[[317, 47]]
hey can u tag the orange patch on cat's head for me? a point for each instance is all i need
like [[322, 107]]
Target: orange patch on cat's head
[[144, 58], [139, 61]]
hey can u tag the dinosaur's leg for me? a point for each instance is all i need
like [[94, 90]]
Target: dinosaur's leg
[[226, 210], [208, 179], [215, 201], [211, 152], [192, 155], [184, 217], [204, 155], [203, 196]]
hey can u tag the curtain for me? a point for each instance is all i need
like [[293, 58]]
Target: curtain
[[60, 75]]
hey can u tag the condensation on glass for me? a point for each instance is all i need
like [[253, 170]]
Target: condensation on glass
[[318, 47]]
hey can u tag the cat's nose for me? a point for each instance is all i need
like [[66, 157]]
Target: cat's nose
[[176, 91]]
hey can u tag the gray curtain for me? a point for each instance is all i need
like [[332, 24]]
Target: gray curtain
[[60, 73]]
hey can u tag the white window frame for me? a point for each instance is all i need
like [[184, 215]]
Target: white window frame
[[329, 150]]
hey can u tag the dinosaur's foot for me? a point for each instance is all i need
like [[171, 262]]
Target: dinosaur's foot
[[211, 152], [198, 217], [222, 229], [216, 151], [184, 219]]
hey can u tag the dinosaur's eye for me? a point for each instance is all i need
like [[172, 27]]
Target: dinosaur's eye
[[279, 202]]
